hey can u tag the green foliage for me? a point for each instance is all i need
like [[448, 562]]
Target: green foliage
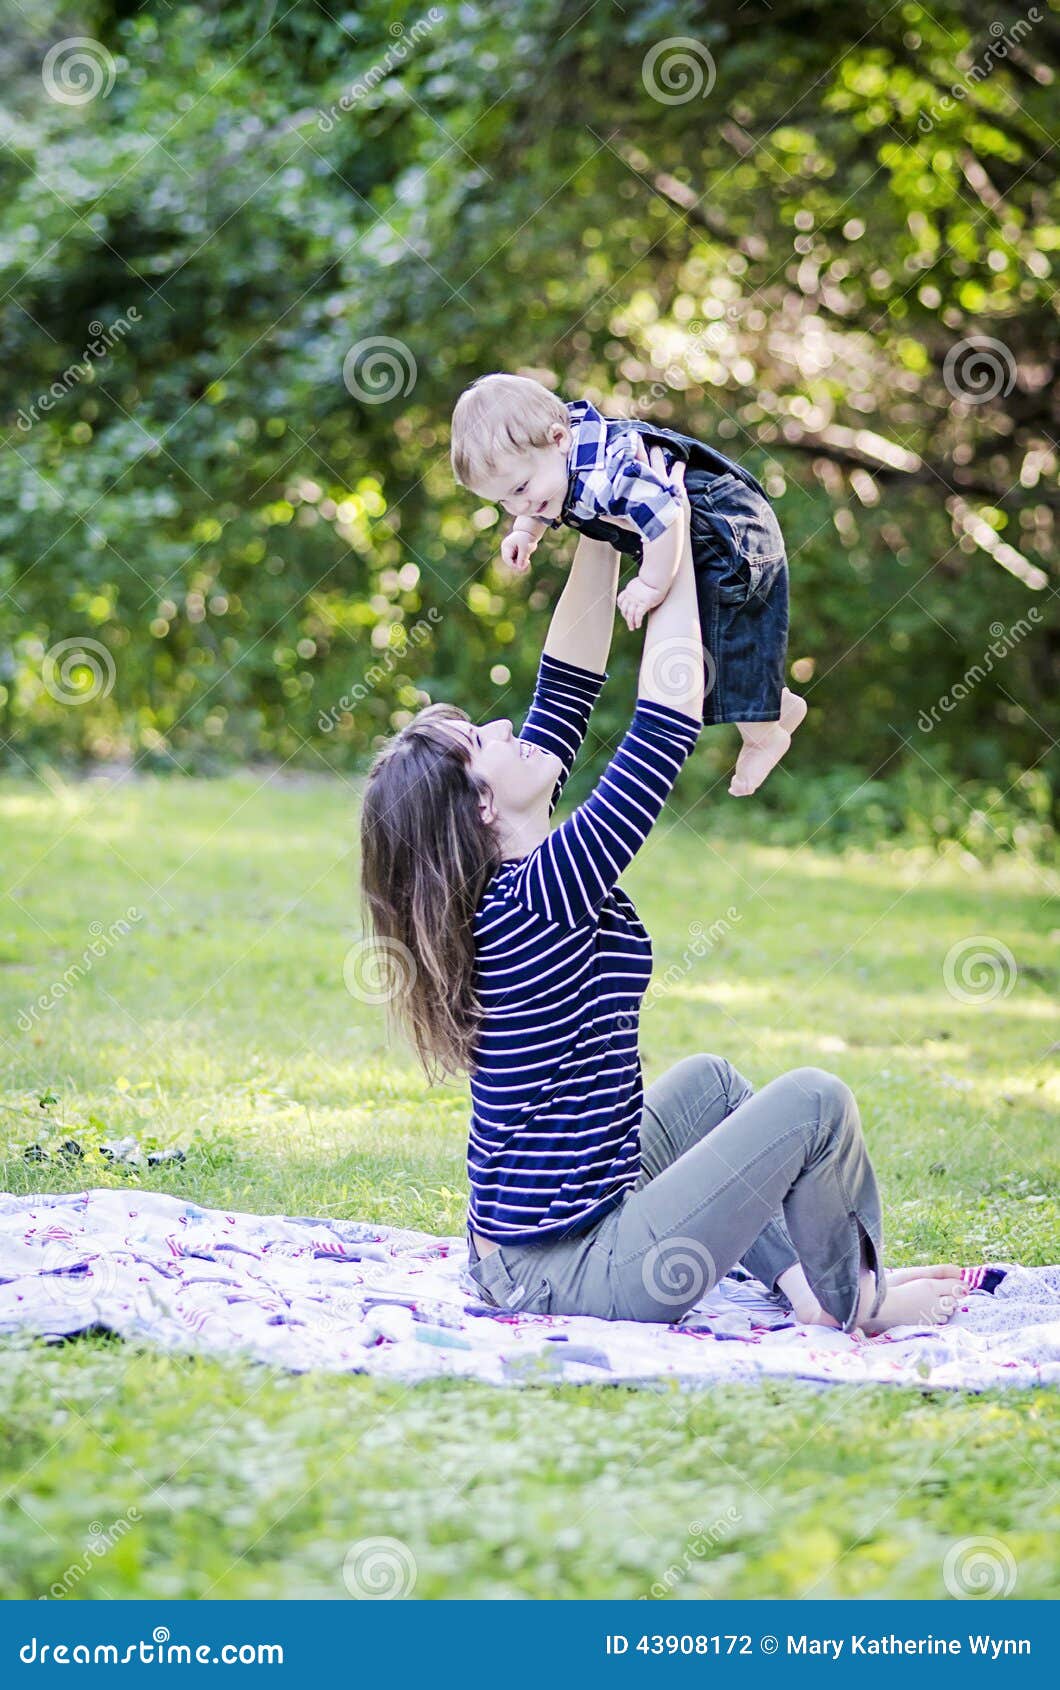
[[784, 263]]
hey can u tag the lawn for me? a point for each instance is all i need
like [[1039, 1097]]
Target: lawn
[[220, 1023]]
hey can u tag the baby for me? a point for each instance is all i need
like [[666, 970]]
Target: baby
[[547, 463]]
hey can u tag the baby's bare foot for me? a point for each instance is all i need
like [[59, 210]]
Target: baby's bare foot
[[764, 744], [914, 1302], [792, 710]]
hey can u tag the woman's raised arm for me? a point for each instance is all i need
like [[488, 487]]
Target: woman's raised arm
[[580, 630], [671, 665]]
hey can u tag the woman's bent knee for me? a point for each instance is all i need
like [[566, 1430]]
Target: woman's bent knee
[[705, 1066], [833, 1094], [735, 1086], [704, 1076]]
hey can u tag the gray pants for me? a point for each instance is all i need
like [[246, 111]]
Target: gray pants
[[728, 1175]]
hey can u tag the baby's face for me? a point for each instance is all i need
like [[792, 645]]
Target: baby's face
[[532, 482]]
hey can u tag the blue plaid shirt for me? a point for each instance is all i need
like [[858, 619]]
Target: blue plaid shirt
[[607, 479]]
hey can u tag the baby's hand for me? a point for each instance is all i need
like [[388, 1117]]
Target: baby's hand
[[516, 551], [635, 601]]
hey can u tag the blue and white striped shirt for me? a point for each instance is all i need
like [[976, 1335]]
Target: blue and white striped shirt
[[562, 963]]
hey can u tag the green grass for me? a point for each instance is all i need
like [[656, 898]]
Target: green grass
[[220, 1022]]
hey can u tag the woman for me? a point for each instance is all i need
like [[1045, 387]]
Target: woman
[[523, 963]]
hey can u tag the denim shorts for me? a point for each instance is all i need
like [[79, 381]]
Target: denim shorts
[[741, 573], [742, 587]]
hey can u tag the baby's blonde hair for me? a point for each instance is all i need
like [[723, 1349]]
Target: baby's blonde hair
[[499, 414]]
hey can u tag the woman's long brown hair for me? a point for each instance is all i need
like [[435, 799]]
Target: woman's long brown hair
[[426, 855]]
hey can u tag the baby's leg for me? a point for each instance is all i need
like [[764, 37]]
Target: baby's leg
[[742, 580], [764, 744]]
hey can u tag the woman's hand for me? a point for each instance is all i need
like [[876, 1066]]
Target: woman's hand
[[674, 477], [648, 589]]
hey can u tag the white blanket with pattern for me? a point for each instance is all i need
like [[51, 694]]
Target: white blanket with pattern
[[354, 1297]]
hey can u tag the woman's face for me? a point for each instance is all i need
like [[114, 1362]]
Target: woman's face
[[519, 775]]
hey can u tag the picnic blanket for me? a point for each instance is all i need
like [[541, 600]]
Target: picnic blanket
[[303, 1292]]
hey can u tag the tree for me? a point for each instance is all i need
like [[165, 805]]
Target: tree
[[252, 271]]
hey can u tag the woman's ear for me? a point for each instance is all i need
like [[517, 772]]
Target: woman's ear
[[487, 809]]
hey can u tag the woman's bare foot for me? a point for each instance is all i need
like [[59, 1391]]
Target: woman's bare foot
[[764, 744], [944, 1270], [812, 1314], [804, 1305], [914, 1297], [913, 1302]]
